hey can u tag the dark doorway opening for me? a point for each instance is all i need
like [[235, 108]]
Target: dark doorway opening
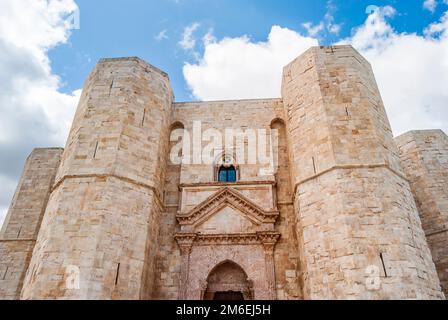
[[229, 296]]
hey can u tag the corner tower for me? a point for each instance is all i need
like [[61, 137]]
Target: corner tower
[[101, 223], [424, 157], [358, 226], [19, 233]]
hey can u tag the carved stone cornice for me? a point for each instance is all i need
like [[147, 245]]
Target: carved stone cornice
[[260, 238], [227, 239], [235, 199], [269, 238]]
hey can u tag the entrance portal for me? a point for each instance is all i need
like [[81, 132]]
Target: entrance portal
[[228, 281]]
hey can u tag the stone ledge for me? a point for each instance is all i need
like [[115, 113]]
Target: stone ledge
[[230, 184], [436, 232], [188, 103], [349, 167], [106, 176], [17, 240], [229, 239]]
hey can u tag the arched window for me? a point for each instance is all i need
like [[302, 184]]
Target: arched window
[[227, 174]]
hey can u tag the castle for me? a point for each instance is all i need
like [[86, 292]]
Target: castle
[[348, 213]]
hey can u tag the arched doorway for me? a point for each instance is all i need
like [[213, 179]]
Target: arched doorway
[[228, 281]]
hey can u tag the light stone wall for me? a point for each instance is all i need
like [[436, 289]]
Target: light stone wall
[[352, 201], [15, 257], [424, 156], [197, 184], [22, 224], [222, 115]]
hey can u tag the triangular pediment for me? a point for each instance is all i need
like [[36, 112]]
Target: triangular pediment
[[227, 220], [233, 200]]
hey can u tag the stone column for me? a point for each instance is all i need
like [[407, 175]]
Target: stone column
[[269, 241], [185, 242]]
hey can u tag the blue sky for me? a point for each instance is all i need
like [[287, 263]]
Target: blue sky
[[129, 27], [212, 50]]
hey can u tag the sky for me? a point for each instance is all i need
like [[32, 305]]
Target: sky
[[212, 50]]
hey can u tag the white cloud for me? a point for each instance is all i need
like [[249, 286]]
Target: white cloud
[[334, 28], [208, 38], [188, 41], [162, 35], [327, 24], [33, 110], [238, 68], [314, 30], [430, 5], [7, 187], [3, 213], [411, 70]]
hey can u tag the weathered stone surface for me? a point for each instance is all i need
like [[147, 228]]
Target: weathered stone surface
[[354, 206], [22, 224], [336, 220], [424, 157], [103, 215]]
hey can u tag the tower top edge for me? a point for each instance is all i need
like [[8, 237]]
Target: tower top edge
[[134, 59], [420, 132]]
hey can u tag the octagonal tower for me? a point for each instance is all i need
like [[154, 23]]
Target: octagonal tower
[[101, 223]]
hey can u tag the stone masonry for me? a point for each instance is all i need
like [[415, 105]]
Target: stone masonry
[[22, 224], [344, 212], [424, 156]]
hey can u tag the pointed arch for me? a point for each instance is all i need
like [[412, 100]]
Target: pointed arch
[[171, 194], [226, 168], [282, 161], [229, 281]]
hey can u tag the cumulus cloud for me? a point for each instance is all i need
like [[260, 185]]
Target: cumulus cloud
[[431, 5], [411, 70], [239, 68], [33, 110]]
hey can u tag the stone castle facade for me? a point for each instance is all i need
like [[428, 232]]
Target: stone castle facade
[[350, 213]]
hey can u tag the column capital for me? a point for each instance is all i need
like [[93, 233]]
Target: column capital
[[269, 240], [185, 241]]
